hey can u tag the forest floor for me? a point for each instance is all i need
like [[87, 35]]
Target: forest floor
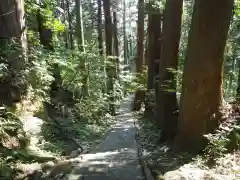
[[165, 165], [113, 153]]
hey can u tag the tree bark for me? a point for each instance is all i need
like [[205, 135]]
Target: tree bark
[[130, 46], [66, 33], [81, 46], [238, 83], [99, 26], [70, 28], [13, 45], [125, 41], [111, 64], [201, 97], [167, 99], [140, 94], [230, 72], [116, 49], [108, 27], [154, 45], [140, 36], [146, 52], [115, 42], [79, 25]]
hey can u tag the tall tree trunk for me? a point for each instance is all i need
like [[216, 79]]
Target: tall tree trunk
[[13, 46], [66, 33], [167, 100], [115, 38], [91, 9], [108, 27], [81, 46], [201, 96], [125, 41], [99, 25], [231, 75], [154, 45], [130, 46], [79, 25], [110, 65], [115, 35], [100, 42], [238, 83], [146, 52], [140, 94], [70, 28], [140, 36]]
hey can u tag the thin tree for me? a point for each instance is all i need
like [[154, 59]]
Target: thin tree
[[238, 83], [201, 97], [115, 39], [79, 25], [125, 40], [233, 59], [146, 52], [139, 95], [64, 19], [70, 28], [167, 99], [130, 49], [81, 46], [99, 26]]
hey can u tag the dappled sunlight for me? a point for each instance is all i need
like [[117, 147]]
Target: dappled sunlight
[[108, 164], [119, 90], [116, 157], [111, 167], [102, 155]]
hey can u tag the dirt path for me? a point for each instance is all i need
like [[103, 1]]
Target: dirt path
[[116, 157]]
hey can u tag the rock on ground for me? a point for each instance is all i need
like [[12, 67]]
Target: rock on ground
[[193, 174]]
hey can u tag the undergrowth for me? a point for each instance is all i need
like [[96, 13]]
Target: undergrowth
[[75, 119], [13, 139], [220, 157]]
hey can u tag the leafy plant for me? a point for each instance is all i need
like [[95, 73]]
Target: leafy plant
[[217, 145]]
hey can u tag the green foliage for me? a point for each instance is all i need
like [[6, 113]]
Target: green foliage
[[39, 76], [217, 145], [12, 137], [237, 8], [222, 141], [11, 127], [47, 10], [137, 81], [6, 171], [88, 118], [3, 70], [234, 138]]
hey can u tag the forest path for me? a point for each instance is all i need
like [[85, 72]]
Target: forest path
[[116, 157]]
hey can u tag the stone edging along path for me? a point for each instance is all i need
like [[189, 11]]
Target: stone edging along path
[[146, 171]]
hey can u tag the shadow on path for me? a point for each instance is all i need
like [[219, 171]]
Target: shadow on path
[[116, 157]]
